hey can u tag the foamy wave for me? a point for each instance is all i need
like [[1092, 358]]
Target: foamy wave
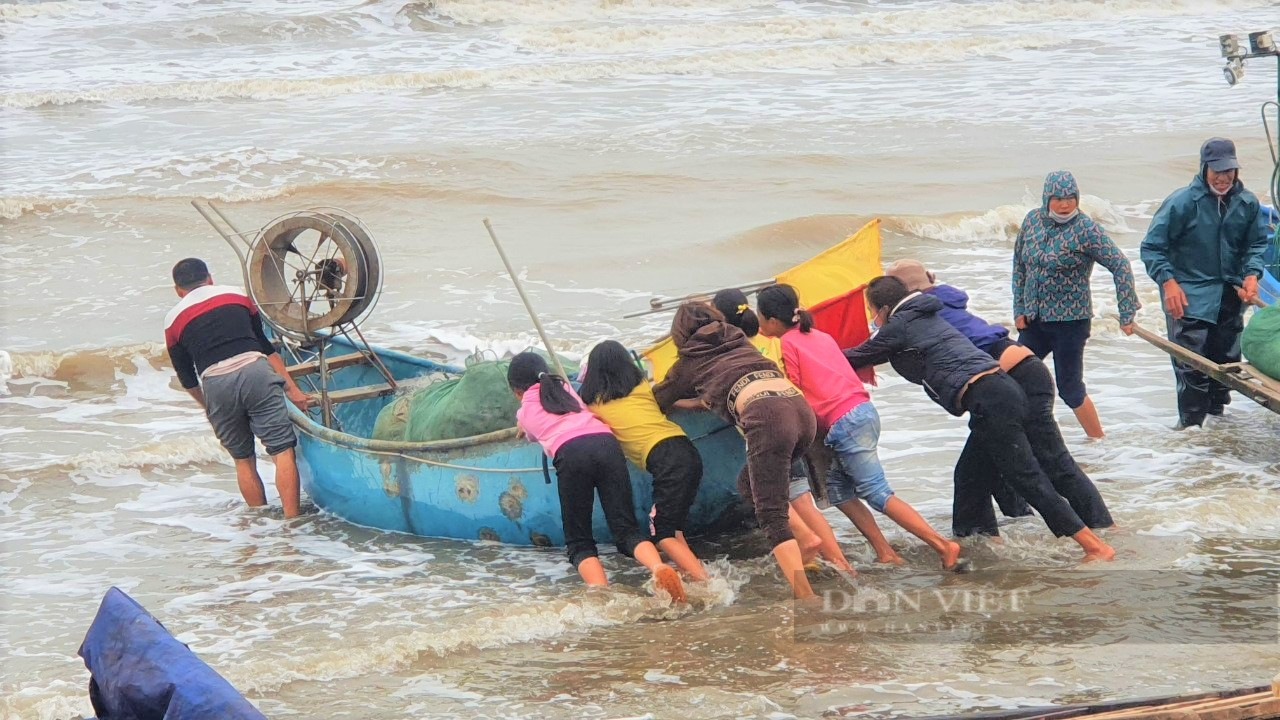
[[176, 452], [1245, 512], [79, 365], [824, 57], [541, 11], [1000, 224], [482, 629], [58, 700], [949, 18], [14, 207], [487, 628], [24, 11]]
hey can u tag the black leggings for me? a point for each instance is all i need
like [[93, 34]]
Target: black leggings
[[676, 468], [998, 438], [1065, 340], [1051, 452], [584, 466], [779, 430]]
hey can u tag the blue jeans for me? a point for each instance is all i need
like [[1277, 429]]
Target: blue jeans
[[856, 470]]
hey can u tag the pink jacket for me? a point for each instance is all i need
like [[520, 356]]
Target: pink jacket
[[814, 363], [553, 431]]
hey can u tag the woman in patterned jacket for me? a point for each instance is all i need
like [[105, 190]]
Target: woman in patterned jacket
[[1053, 259]]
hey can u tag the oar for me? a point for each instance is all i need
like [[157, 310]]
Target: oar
[[546, 343]]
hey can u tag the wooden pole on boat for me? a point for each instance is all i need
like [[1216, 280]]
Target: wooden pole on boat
[[537, 324]]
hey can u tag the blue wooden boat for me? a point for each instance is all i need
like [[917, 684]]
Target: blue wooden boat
[[487, 487]]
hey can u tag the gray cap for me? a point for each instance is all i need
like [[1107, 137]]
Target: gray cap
[[1219, 154]]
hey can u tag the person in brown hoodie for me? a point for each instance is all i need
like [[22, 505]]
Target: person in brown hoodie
[[722, 371]]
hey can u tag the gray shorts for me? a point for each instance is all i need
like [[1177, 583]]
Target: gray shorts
[[249, 402]]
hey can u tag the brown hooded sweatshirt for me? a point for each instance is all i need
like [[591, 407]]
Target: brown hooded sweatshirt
[[710, 362]]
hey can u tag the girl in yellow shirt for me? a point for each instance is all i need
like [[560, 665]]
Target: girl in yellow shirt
[[615, 390]]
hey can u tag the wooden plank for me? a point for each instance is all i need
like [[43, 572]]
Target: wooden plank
[[363, 392], [1238, 707], [1252, 711], [333, 363], [1266, 380], [1236, 377], [1196, 709]]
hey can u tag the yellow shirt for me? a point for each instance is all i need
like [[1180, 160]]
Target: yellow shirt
[[769, 347], [637, 423]]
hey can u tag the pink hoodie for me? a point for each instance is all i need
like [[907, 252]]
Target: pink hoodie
[[552, 430]]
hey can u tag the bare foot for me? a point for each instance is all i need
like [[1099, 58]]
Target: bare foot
[[950, 555], [809, 549], [808, 602], [846, 569], [666, 578], [892, 558], [1104, 554], [699, 575]]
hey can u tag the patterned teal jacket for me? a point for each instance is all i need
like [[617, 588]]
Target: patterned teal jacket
[[1052, 262]]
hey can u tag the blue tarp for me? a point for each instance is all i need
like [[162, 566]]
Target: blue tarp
[[140, 672], [1269, 288]]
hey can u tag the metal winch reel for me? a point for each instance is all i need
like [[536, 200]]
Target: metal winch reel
[[315, 275], [313, 271]]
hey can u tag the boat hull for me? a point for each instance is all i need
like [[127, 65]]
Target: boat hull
[[487, 488]]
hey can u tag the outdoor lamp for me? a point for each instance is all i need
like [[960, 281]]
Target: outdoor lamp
[[1261, 43], [1234, 71], [1230, 46]]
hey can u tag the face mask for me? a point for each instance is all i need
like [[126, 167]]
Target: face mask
[[1214, 190], [1060, 219]]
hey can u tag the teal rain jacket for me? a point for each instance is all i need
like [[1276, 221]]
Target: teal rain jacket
[[1206, 243]]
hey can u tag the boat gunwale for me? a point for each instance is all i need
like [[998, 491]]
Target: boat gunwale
[[306, 424]]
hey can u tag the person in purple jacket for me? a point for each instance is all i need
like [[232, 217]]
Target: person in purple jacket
[[1031, 373]]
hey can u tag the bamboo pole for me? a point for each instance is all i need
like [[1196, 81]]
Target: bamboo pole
[[546, 343]]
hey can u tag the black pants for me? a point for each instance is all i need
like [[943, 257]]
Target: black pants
[[676, 468], [1051, 452], [584, 466], [779, 431], [1065, 340], [1199, 394], [998, 437]]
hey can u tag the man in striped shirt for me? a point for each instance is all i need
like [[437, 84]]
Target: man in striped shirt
[[224, 360]]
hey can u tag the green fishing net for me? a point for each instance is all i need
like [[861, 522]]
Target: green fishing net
[[476, 402], [1260, 342]]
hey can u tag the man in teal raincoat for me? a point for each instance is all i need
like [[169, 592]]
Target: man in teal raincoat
[[1204, 249]]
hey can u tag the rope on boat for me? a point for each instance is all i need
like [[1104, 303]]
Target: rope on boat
[[425, 461], [455, 466]]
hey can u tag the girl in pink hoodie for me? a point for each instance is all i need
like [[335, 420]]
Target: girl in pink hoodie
[[588, 459]]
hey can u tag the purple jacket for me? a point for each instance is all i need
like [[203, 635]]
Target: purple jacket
[[955, 310]]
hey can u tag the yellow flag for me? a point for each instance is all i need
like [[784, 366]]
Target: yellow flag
[[837, 270]]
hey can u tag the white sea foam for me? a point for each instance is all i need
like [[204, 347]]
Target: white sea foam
[[11, 12], [577, 37], [1001, 224], [822, 57]]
